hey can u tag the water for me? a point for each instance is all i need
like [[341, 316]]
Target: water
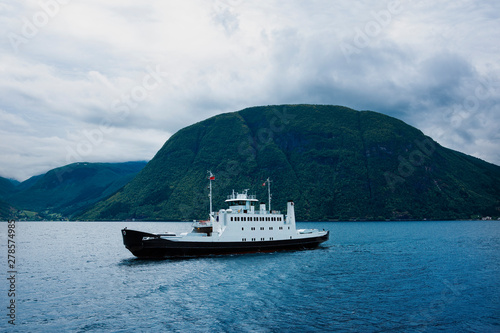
[[369, 277]]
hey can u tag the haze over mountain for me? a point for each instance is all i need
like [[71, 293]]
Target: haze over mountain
[[334, 162]]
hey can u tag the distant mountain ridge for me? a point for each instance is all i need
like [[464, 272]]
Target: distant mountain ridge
[[63, 191], [335, 162]]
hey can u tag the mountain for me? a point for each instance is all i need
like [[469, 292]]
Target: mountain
[[7, 186], [64, 191], [28, 182], [6, 211], [334, 162]]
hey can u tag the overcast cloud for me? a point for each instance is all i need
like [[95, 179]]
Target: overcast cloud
[[111, 81]]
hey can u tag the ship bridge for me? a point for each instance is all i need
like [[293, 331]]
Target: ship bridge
[[241, 197], [246, 203], [242, 201]]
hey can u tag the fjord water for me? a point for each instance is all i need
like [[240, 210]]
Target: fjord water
[[369, 277]]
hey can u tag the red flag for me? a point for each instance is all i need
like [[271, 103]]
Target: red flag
[[264, 184], [211, 177]]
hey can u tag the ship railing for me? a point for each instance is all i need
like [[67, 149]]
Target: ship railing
[[267, 212], [258, 212], [241, 196], [201, 224]]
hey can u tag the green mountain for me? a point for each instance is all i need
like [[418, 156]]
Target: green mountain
[[64, 191], [6, 211], [7, 186], [335, 163]]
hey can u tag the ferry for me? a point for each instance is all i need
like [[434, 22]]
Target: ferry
[[246, 226]]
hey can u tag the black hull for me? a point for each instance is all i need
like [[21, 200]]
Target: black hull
[[161, 248]]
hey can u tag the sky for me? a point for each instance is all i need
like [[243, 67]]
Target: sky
[[111, 81]]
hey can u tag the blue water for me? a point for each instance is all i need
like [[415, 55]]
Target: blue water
[[369, 277]]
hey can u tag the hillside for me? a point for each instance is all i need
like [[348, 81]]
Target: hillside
[[6, 187], [6, 211], [69, 189], [335, 162]]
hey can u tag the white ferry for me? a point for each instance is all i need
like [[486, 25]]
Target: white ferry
[[245, 227]]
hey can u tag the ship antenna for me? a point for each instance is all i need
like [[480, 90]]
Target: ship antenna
[[210, 177]]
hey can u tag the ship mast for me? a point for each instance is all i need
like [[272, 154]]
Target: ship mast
[[268, 181], [210, 177]]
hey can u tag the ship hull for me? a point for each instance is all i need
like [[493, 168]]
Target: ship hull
[[156, 247]]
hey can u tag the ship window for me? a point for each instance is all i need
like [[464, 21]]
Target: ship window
[[242, 228], [288, 228], [253, 228], [253, 239], [231, 218], [281, 228], [270, 228], [244, 239], [261, 228], [271, 238]]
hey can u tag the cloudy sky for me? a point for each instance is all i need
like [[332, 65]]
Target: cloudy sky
[[105, 81]]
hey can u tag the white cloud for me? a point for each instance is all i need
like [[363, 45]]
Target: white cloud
[[88, 63]]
